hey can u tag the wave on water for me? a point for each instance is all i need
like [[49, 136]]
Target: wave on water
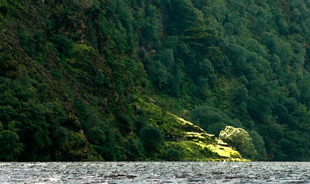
[[155, 172]]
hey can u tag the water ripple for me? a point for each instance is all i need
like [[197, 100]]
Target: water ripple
[[155, 172]]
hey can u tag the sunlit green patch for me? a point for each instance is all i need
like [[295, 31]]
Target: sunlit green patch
[[192, 142], [200, 151]]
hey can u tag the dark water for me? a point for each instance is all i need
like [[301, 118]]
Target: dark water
[[155, 172]]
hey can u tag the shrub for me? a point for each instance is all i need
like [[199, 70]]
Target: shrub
[[173, 155], [96, 136], [151, 138]]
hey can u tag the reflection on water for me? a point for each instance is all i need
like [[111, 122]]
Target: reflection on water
[[155, 172]]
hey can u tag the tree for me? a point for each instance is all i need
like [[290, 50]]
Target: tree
[[202, 87], [10, 146], [275, 62], [294, 146], [183, 16], [96, 136], [151, 138], [239, 139], [210, 119], [241, 94], [173, 155], [197, 37], [100, 78], [259, 144], [259, 26], [217, 57], [133, 150], [63, 44]]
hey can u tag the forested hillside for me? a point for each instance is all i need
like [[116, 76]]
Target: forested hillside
[[94, 79]]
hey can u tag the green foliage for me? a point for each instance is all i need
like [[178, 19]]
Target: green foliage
[[36, 125], [126, 124], [185, 16], [203, 84], [199, 151], [212, 120], [11, 146], [27, 43], [98, 132], [8, 67], [259, 26], [239, 139], [96, 136], [241, 94], [173, 155], [32, 44], [238, 63], [59, 136], [62, 44], [151, 139], [259, 144], [101, 80]]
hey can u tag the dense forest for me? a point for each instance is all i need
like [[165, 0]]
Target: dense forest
[[109, 79]]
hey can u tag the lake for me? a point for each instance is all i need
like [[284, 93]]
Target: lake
[[155, 172]]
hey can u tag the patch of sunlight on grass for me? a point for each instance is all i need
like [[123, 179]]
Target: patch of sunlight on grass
[[193, 143], [200, 151]]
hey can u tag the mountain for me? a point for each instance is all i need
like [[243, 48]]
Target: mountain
[[122, 80]]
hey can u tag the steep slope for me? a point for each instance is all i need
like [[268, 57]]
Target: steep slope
[[69, 85], [86, 80]]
